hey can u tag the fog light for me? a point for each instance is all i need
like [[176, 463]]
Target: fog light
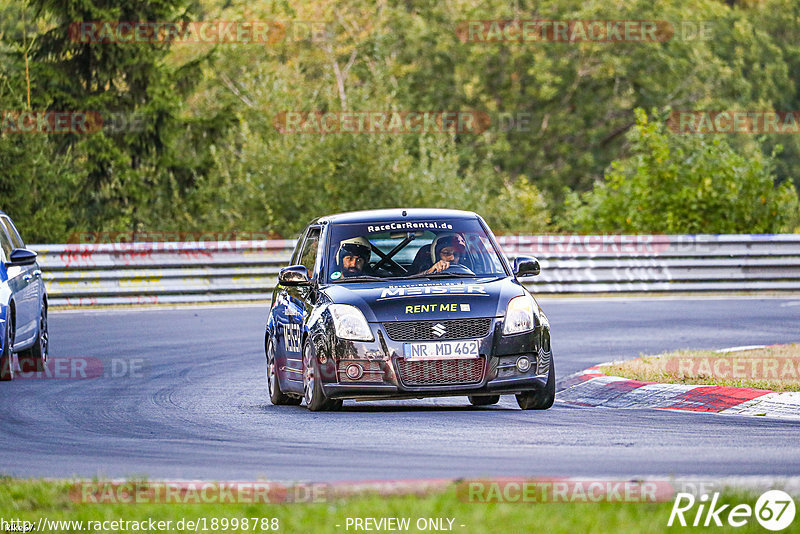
[[354, 371], [523, 364]]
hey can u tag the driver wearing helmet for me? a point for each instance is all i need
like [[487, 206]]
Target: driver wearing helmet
[[353, 256], [446, 250]]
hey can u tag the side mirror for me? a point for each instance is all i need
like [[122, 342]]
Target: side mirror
[[294, 275], [22, 256], [526, 266]]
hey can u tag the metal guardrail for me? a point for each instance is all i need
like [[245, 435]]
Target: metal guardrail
[[171, 272]]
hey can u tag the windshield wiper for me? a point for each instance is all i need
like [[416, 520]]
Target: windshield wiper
[[362, 278], [440, 274]]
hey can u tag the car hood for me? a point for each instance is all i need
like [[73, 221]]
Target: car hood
[[423, 299]]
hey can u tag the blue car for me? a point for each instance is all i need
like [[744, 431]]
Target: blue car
[[23, 306]]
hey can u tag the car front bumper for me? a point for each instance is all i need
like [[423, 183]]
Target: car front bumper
[[386, 373]]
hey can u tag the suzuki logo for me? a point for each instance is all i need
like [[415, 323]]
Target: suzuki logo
[[438, 330]]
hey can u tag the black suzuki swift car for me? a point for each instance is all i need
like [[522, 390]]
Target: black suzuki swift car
[[415, 303]]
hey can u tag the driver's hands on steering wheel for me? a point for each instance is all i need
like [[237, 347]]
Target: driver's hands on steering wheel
[[438, 267], [448, 266]]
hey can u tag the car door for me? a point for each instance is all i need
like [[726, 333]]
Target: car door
[[23, 285], [292, 307]]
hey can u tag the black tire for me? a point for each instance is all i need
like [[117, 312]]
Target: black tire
[[34, 359], [7, 357], [483, 400], [312, 388], [540, 399], [276, 396]]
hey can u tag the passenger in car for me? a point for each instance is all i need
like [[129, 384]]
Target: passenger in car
[[446, 249]]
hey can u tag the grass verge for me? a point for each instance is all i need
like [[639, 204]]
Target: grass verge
[[31, 500], [775, 368]]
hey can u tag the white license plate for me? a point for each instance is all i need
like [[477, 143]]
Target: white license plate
[[442, 350]]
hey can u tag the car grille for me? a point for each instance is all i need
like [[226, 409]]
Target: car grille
[[434, 330], [441, 372]]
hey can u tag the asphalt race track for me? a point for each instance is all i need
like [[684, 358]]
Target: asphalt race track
[[201, 411]]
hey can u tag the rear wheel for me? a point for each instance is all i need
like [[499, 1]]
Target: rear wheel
[[540, 399], [483, 400], [6, 356], [34, 359], [276, 396], [312, 386]]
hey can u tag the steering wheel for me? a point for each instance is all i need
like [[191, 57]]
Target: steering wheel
[[387, 270], [458, 268], [395, 267]]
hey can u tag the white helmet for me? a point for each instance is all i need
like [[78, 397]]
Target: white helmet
[[355, 246]]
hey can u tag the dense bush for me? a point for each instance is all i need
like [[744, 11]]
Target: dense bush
[[677, 183]]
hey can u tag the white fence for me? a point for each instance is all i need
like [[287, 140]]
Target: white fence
[[143, 273]]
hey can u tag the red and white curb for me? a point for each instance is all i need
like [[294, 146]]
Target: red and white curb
[[592, 387]]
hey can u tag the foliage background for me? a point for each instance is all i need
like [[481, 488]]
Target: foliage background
[[593, 156]]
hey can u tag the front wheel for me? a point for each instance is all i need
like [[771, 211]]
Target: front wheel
[[7, 356], [34, 359], [483, 400], [540, 399], [312, 385], [276, 396]]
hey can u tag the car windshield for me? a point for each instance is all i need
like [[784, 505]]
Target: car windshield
[[372, 251]]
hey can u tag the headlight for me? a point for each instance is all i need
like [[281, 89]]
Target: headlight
[[519, 315], [349, 323]]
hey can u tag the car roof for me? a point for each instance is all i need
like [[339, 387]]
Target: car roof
[[394, 214]]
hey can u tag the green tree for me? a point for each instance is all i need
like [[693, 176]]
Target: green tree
[[266, 180], [205, 154], [674, 184], [579, 97], [37, 183], [131, 173]]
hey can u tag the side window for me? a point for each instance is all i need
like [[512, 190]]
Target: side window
[[16, 240], [296, 252], [5, 243], [308, 256]]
